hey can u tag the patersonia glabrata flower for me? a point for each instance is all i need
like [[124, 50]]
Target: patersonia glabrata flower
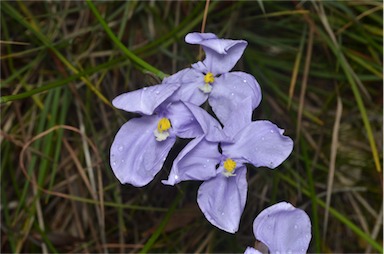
[[222, 195]]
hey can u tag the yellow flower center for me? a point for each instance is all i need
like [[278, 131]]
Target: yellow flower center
[[229, 165], [209, 78], [163, 125]]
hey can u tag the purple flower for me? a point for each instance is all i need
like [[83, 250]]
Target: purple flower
[[142, 144], [211, 79], [283, 229], [222, 195]]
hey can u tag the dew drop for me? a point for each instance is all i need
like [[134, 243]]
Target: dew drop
[[114, 163], [176, 177], [208, 161], [245, 81], [222, 213], [121, 148], [295, 226], [157, 92], [145, 88], [122, 161], [204, 166], [232, 94], [272, 131], [307, 236], [262, 138]]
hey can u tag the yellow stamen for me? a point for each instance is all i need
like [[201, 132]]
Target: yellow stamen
[[229, 165], [163, 125], [209, 78]]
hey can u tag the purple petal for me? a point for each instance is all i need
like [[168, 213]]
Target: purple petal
[[283, 228], [190, 81], [221, 54], [183, 120], [260, 143], [145, 100], [210, 126], [197, 161], [136, 157], [251, 250], [222, 199], [239, 120], [229, 90]]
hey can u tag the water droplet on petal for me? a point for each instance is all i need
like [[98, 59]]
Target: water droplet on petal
[[114, 163], [121, 148], [307, 236], [208, 160], [272, 131], [245, 81], [157, 92], [122, 161], [295, 226], [145, 88], [222, 213], [204, 166], [176, 177], [232, 94], [262, 138]]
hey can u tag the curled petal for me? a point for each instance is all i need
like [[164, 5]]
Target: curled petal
[[183, 120], [283, 228], [229, 90], [145, 100], [210, 126], [222, 199], [260, 143], [197, 161], [221, 54], [136, 157]]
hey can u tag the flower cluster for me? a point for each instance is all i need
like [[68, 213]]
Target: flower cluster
[[221, 146]]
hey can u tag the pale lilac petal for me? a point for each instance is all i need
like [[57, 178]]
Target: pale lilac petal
[[229, 90], [190, 81], [251, 250], [260, 143], [221, 54], [183, 121], [136, 157], [210, 126], [283, 228], [253, 86], [222, 199], [197, 161], [240, 119], [145, 100]]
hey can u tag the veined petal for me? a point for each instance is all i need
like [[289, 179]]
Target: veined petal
[[197, 161], [145, 100], [190, 81], [222, 199], [210, 126], [231, 89], [221, 54], [283, 228], [260, 143], [136, 157]]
